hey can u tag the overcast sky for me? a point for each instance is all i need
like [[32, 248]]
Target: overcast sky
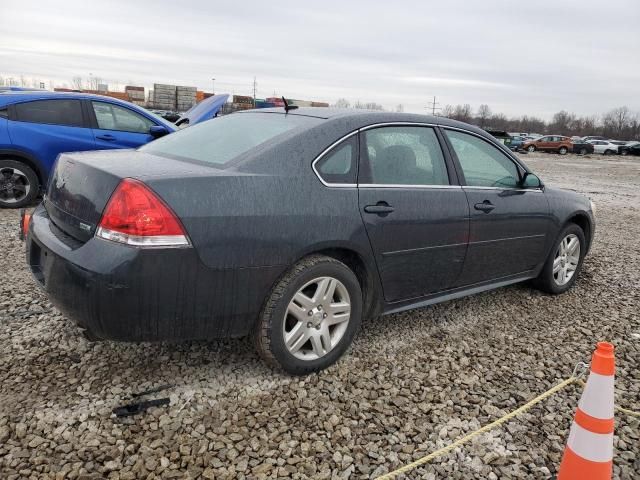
[[534, 57]]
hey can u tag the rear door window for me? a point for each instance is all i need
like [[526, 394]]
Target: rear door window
[[53, 112], [403, 155]]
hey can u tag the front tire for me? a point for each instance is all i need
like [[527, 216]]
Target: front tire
[[19, 185], [564, 263], [310, 317], [608, 152], [531, 149]]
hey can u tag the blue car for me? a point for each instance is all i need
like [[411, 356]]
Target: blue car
[[36, 126], [516, 143]]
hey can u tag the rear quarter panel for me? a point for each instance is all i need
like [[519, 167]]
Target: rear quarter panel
[[254, 220]]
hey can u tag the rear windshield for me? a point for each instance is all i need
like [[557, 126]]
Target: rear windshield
[[220, 140]]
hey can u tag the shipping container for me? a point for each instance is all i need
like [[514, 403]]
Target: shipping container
[[319, 104], [242, 99]]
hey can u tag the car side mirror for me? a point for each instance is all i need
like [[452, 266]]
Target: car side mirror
[[157, 131], [531, 180]]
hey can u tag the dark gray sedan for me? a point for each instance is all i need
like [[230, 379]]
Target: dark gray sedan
[[293, 227]]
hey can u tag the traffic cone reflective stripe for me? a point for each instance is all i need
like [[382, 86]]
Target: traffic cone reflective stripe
[[597, 397], [595, 447], [589, 451]]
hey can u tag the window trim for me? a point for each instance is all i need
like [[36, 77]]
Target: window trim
[[328, 150], [443, 147], [451, 160], [354, 155]]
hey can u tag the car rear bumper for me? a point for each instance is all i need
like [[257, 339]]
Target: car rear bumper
[[117, 292]]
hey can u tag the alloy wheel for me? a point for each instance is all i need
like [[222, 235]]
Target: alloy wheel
[[14, 185], [316, 318], [566, 260]]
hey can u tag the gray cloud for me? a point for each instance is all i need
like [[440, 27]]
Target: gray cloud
[[534, 58]]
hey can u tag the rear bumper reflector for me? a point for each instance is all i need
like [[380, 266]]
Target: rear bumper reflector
[[143, 241]]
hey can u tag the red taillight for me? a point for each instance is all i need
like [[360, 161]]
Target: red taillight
[[136, 216]]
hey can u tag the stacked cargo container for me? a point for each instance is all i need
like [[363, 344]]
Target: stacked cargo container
[[185, 98], [164, 96]]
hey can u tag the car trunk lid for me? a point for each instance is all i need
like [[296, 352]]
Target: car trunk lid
[[82, 184]]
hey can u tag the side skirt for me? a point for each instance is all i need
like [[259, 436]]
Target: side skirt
[[456, 293]]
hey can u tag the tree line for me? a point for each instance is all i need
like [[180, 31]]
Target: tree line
[[619, 123]]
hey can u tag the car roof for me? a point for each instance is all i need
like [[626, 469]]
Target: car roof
[[367, 117], [9, 96]]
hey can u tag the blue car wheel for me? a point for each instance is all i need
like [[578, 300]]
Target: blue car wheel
[[18, 184]]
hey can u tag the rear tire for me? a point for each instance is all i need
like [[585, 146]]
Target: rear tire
[[624, 153], [563, 150], [583, 151], [531, 149], [554, 282], [608, 152], [19, 185], [303, 330]]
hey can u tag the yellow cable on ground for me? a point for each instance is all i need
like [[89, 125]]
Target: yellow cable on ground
[[492, 425], [486, 428]]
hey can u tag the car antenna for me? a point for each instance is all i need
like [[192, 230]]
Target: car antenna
[[288, 107]]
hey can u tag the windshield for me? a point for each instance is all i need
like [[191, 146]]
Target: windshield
[[220, 140]]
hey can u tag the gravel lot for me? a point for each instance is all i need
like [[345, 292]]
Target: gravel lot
[[412, 382]]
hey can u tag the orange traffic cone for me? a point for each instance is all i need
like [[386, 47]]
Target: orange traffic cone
[[589, 451]]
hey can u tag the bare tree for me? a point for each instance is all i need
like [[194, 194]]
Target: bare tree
[[462, 113], [76, 83], [484, 113], [447, 111], [399, 108], [342, 103]]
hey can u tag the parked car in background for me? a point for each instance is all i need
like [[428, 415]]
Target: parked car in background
[[593, 137], [549, 143], [604, 147], [36, 126], [582, 148], [516, 143], [295, 227], [631, 148], [502, 136], [205, 110]]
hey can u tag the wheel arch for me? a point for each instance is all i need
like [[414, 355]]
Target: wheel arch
[[365, 272], [582, 220], [27, 159]]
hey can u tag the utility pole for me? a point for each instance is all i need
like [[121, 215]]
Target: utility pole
[[255, 86], [213, 86], [433, 106]]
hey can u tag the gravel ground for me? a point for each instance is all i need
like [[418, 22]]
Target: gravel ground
[[412, 382]]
